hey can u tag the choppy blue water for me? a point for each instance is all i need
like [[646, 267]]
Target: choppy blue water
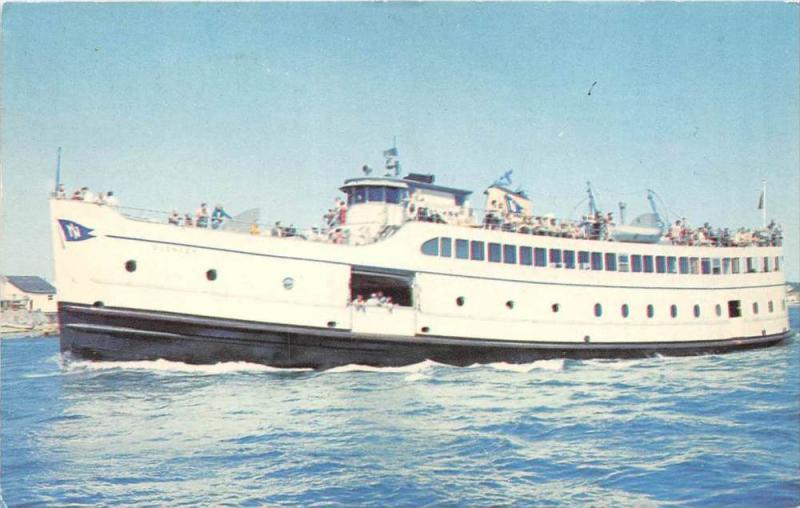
[[708, 431]]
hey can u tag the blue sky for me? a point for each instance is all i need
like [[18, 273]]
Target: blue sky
[[274, 105]]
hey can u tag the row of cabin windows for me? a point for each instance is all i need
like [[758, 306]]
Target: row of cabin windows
[[358, 195], [586, 260], [734, 309]]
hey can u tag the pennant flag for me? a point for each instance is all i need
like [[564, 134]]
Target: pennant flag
[[74, 232], [513, 206], [392, 152]]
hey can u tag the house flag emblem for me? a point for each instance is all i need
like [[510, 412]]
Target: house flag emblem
[[74, 232]]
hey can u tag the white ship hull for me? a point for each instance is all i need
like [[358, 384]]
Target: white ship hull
[[287, 301]]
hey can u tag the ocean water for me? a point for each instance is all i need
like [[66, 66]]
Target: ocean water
[[717, 430]]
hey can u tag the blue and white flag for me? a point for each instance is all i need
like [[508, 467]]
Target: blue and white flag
[[392, 152], [513, 205], [74, 232]]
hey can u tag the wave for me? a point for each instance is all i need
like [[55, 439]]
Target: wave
[[523, 368], [406, 369], [179, 367]]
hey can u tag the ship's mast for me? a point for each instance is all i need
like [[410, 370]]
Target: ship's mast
[[592, 203]]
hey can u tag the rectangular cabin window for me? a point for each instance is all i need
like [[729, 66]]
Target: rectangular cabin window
[[705, 266], [462, 249], [569, 259], [611, 262], [777, 263], [683, 264], [476, 251], [555, 258], [726, 265], [446, 249], [597, 260], [648, 264], [494, 253], [525, 256], [636, 263], [716, 266], [510, 254], [694, 266], [624, 265], [394, 195], [767, 265], [360, 195], [661, 264], [752, 267], [375, 194], [583, 260], [734, 308], [736, 265], [540, 256], [672, 264]]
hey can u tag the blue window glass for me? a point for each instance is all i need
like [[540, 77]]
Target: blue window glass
[[462, 249], [431, 247], [672, 264], [540, 256], [569, 259], [525, 256], [476, 251], [555, 258], [583, 260], [611, 262], [394, 195], [673, 310], [494, 253], [350, 196], [361, 195], [648, 264], [598, 310], [716, 266], [375, 194], [705, 266], [510, 254], [597, 260], [683, 264], [661, 264], [636, 263], [446, 249]]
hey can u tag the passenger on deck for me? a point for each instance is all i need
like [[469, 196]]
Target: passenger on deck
[[201, 216], [276, 229], [60, 192], [218, 216], [88, 195], [359, 303], [342, 211], [254, 229], [174, 218], [76, 195], [187, 220]]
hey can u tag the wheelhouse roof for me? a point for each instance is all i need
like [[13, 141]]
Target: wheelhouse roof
[[401, 183]]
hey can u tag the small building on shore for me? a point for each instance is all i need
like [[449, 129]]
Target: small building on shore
[[27, 292]]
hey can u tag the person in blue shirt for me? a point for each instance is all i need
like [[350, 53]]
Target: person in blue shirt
[[218, 216]]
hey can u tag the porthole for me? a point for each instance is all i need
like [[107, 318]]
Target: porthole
[[130, 265], [696, 311], [510, 304], [718, 310], [673, 310], [625, 310], [771, 307], [288, 283], [425, 329], [211, 274], [598, 310], [460, 301], [650, 312], [554, 307], [755, 307]]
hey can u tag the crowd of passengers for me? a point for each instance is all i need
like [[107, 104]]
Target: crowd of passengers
[[599, 226], [592, 227], [84, 194]]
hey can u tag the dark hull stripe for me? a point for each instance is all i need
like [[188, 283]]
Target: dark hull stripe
[[464, 276], [124, 334]]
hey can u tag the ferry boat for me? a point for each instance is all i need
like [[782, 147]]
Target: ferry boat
[[407, 271]]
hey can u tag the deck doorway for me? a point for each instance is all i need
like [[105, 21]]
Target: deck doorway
[[382, 301]]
